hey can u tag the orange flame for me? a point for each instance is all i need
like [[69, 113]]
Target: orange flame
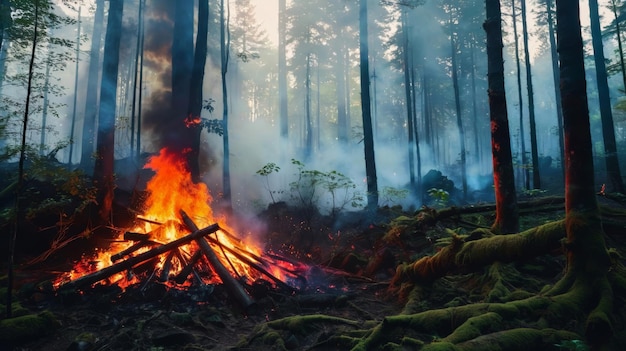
[[170, 190]]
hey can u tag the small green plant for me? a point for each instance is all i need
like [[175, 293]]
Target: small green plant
[[533, 192], [268, 169], [440, 196], [335, 182], [390, 195]]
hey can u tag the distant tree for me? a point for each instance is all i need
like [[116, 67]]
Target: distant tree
[[534, 152], [225, 56], [282, 69], [368, 135], [91, 97], [507, 219], [103, 173], [606, 114], [617, 7], [520, 100]]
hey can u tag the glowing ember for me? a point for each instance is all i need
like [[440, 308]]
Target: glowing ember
[[171, 191]]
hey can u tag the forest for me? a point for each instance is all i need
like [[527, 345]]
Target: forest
[[312, 175]]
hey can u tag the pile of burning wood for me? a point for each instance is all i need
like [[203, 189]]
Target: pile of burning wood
[[160, 258]]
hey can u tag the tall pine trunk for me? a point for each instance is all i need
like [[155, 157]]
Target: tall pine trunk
[[195, 91], [534, 153], [104, 166], [522, 135], [588, 261], [180, 137], [507, 220], [91, 97], [457, 105], [408, 98], [556, 78], [608, 129], [282, 68], [224, 54], [368, 135]]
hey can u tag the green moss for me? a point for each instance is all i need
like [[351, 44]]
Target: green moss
[[440, 346], [27, 327], [474, 327], [300, 324]]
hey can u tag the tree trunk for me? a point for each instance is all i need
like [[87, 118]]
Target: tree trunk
[[408, 99], [103, 169], [534, 153], [91, 97], [342, 115], [282, 68], [44, 112], [587, 257], [556, 78], [368, 136], [308, 123], [180, 136], [522, 135], [224, 53], [457, 104], [618, 36], [136, 77], [195, 91], [20, 169], [608, 129], [507, 220], [73, 125]]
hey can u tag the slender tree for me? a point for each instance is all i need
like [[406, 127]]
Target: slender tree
[[534, 152], [606, 114], [136, 76], [520, 101], [75, 102], [507, 219], [103, 173], [22, 159], [556, 79], [225, 54], [368, 135], [195, 91], [91, 95], [408, 97], [457, 103], [282, 68]]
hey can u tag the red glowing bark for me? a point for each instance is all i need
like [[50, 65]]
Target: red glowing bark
[[504, 182]]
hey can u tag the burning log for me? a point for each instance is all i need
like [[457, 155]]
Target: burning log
[[130, 262], [182, 275], [229, 282]]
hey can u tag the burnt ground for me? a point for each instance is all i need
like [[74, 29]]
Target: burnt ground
[[350, 267]]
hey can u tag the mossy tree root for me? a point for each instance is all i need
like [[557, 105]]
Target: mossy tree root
[[462, 256]]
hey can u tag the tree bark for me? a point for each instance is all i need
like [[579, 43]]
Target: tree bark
[[282, 68], [195, 91], [507, 220], [368, 135], [587, 257], [91, 98], [534, 153], [103, 169], [608, 128]]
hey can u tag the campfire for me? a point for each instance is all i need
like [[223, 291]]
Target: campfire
[[178, 242]]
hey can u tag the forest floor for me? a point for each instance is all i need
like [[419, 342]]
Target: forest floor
[[350, 269]]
